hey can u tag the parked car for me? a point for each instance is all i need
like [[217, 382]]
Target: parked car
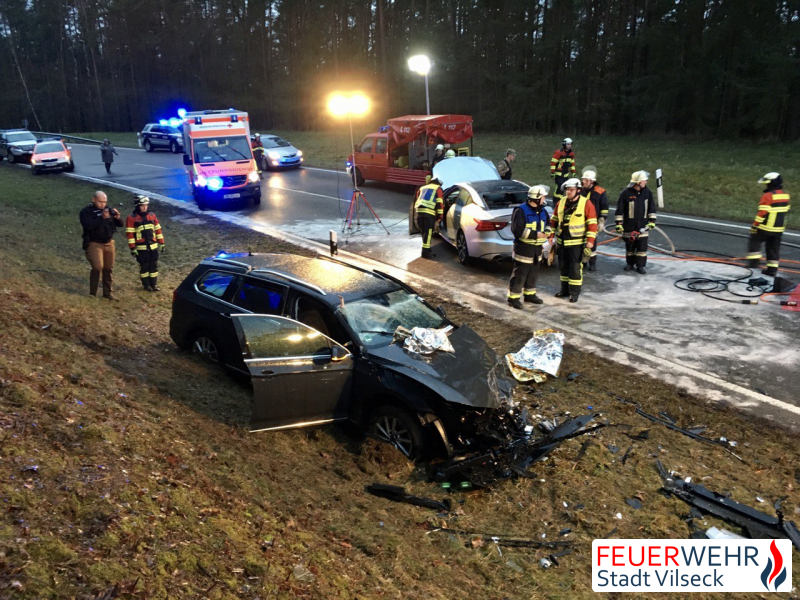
[[477, 209], [316, 337], [16, 145], [164, 137], [279, 154], [51, 155]]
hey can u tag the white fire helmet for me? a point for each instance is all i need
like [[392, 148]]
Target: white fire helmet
[[574, 182], [567, 141], [440, 147], [639, 177], [450, 153], [589, 173], [769, 178], [538, 191]]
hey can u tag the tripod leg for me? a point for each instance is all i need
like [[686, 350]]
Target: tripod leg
[[374, 214]]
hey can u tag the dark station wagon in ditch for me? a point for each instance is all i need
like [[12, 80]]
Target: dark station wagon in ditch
[[316, 336]]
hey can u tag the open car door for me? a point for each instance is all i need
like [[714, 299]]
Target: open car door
[[300, 377]]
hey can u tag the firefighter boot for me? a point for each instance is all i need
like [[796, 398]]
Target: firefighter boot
[[533, 298], [514, 303], [564, 291], [154, 285]]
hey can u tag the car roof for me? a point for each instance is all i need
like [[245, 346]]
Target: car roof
[[325, 278], [495, 186]]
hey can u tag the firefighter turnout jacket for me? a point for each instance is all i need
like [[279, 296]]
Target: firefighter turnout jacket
[[599, 199], [636, 209], [143, 231], [772, 209], [562, 164], [429, 201], [526, 223], [574, 223]]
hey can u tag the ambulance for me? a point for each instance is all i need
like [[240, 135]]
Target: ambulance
[[222, 170]]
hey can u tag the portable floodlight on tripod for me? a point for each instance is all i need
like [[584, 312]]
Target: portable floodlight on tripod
[[356, 104]]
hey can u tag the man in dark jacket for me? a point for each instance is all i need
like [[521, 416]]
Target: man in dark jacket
[[504, 166], [107, 152], [530, 226], [635, 217], [99, 224], [599, 198]]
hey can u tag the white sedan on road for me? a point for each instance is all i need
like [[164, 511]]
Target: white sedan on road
[[478, 206]]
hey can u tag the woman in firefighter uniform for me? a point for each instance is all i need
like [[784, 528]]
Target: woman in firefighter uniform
[[574, 223], [429, 212], [529, 224], [145, 240]]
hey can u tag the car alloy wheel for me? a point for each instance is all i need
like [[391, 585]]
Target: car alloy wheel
[[206, 348], [173, 147], [359, 178], [398, 428], [461, 246], [148, 147], [11, 158]]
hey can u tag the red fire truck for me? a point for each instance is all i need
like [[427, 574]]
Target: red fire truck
[[402, 150]]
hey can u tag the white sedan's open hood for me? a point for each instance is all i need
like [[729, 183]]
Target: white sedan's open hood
[[463, 169]]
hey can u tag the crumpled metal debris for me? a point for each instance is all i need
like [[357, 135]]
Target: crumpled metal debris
[[423, 340], [508, 458], [757, 524], [539, 357]]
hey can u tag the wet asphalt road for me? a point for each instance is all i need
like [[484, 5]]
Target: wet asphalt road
[[752, 346]]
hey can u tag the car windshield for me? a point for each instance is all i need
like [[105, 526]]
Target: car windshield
[[222, 149], [503, 199], [275, 142], [49, 147], [374, 319], [25, 136]]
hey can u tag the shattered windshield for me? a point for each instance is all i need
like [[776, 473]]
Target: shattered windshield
[[374, 319], [503, 199]]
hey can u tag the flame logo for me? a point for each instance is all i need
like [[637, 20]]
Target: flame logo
[[774, 572]]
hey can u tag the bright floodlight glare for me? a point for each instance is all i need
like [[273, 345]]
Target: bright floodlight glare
[[359, 104], [181, 112], [355, 105], [420, 64], [338, 105]]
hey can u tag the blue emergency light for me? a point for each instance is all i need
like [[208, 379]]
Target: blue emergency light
[[163, 122], [214, 183], [173, 122], [181, 112], [383, 129]]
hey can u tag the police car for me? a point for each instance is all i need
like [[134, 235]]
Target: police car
[[165, 137]]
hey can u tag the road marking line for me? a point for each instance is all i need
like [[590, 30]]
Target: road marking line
[[719, 223], [326, 170], [278, 187], [535, 322], [153, 166]]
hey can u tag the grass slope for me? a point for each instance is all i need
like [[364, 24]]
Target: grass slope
[[124, 462], [710, 179]]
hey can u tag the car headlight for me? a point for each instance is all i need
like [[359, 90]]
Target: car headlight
[[33, 161], [201, 181], [274, 155], [299, 153], [253, 177]]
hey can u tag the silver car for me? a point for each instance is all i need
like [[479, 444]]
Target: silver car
[[280, 154], [477, 209]]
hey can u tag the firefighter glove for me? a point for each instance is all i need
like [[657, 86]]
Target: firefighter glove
[[618, 228], [651, 225], [601, 224], [161, 247], [134, 253], [587, 251]]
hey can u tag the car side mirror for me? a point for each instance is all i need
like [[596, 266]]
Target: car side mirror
[[186, 160], [338, 353], [356, 148], [441, 311]]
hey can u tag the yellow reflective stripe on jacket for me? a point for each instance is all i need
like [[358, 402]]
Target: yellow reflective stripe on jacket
[[426, 202], [774, 222], [577, 221]]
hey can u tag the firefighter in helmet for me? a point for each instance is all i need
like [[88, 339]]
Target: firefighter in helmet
[[769, 224], [258, 152], [635, 218], [530, 226], [599, 199], [439, 156], [562, 165], [145, 239], [574, 223], [429, 209]]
